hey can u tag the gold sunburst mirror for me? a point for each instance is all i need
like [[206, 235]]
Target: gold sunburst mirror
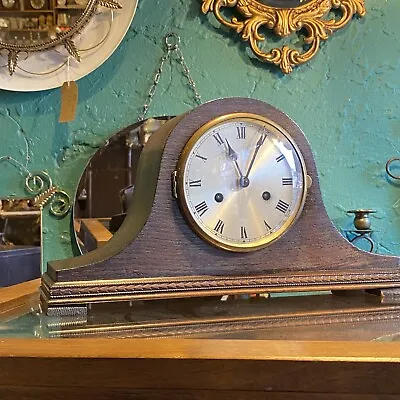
[[28, 26], [318, 19]]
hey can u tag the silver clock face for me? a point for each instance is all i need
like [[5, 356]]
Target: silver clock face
[[242, 182]]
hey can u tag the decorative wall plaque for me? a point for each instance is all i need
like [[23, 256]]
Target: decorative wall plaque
[[317, 19]]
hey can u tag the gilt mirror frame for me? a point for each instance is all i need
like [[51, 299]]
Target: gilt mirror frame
[[65, 38], [285, 18]]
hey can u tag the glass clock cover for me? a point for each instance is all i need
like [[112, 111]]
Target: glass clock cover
[[241, 182]]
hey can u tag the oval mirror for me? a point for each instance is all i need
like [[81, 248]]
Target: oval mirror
[[107, 184]]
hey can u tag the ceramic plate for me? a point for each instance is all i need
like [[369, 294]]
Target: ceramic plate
[[44, 72]]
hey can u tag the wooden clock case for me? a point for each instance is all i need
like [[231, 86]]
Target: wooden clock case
[[155, 255]]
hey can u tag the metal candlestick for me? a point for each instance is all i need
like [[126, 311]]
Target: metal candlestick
[[362, 225]]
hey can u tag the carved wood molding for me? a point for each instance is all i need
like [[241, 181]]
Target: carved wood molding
[[311, 16], [79, 292]]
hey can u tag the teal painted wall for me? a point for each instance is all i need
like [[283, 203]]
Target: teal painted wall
[[347, 101]]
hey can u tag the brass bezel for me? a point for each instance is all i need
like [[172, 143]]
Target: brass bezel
[[183, 158]]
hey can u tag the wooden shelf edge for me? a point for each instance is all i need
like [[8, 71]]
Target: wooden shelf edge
[[204, 349], [14, 299]]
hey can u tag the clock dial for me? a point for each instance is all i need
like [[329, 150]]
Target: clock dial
[[241, 182]]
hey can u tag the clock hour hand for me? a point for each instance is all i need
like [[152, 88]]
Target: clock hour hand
[[234, 157], [260, 142]]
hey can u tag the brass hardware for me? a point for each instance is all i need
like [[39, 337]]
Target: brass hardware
[[389, 165], [310, 16], [308, 181], [362, 224], [361, 219]]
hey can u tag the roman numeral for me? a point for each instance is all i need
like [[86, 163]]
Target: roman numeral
[[241, 131], [280, 158], [282, 206], [219, 227], [243, 233], [203, 158], [287, 181], [267, 226], [218, 138], [195, 183], [201, 208]]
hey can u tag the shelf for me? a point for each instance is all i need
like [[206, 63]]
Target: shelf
[[51, 7], [14, 12], [72, 7], [24, 30]]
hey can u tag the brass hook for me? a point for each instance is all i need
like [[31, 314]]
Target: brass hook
[[389, 162]]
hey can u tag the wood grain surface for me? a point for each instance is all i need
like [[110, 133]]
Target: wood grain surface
[[62, 393], [162, 366], [19, 299]]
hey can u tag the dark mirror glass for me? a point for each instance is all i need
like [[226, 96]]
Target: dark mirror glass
[[20, 241], [31, 22], [107, 184]]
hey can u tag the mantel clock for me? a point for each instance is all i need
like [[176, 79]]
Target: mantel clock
[[226, 201]]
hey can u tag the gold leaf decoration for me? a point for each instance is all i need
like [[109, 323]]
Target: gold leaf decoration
[[310, 16], [110, 4], [71, 48]]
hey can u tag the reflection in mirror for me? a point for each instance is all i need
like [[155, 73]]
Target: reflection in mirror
[[107, 184], [20, 241], [29, 22], [39, 25]]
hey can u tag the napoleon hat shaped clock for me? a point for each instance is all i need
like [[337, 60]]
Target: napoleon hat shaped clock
[[223, 204]]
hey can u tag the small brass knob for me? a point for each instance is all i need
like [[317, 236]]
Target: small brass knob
[[362, 221]]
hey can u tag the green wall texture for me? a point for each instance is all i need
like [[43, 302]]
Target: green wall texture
[[346, 100]]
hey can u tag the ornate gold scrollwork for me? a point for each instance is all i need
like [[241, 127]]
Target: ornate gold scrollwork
[[308, 15], [41, 186]]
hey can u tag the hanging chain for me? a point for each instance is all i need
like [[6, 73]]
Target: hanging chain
[[172, 41]]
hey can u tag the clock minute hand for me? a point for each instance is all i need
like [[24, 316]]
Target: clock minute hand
[[258, 145]]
